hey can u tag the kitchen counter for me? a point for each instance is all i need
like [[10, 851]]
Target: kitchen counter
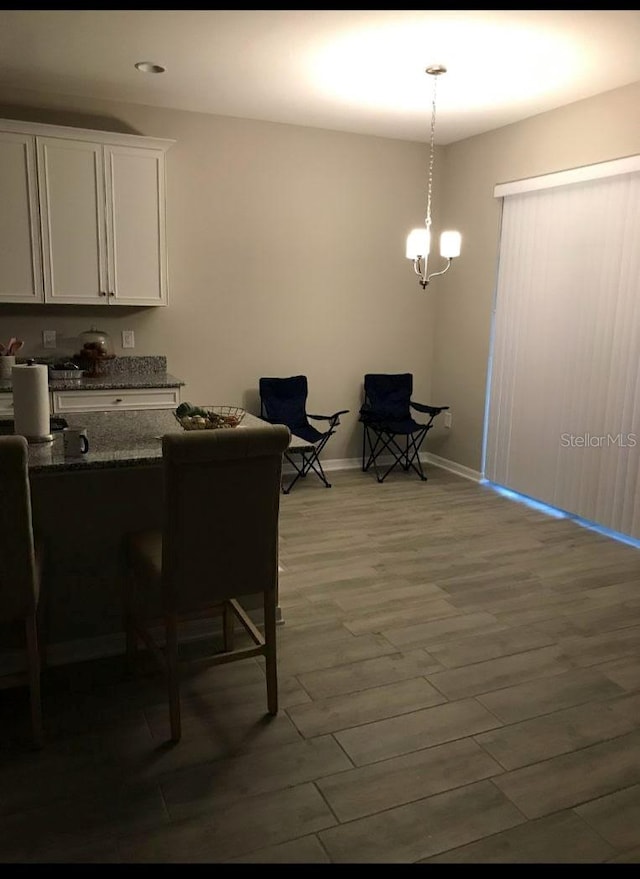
[[107, 383], [116, 439], [120, 373], [99, 383], [83, 508]]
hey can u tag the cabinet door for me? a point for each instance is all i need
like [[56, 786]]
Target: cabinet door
[[20, 261], [72, 206], [136, 232]]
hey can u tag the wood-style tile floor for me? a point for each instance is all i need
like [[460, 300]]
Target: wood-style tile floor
[[459, 682]]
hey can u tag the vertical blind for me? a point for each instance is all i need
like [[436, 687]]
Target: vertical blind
[[563, 416]]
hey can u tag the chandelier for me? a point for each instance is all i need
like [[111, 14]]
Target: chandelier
[[419, 240]]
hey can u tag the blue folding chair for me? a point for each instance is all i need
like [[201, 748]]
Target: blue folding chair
[[389, 426], [284, 401]]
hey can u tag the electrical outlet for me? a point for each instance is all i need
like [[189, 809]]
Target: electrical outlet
[[447, 419], [128, 339], [49, 338]]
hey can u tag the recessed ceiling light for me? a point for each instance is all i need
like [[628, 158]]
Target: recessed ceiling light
[[150, 67]]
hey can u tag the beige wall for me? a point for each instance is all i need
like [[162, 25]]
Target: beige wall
[[286, 254]]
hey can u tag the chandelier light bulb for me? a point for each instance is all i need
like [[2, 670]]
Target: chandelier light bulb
[[418, 243], [450, 243]]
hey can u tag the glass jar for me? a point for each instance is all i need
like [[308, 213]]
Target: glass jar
[[97, 341], [96, 350]]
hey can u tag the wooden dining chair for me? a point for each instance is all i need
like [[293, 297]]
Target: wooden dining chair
[[218, 545], [20, 569]]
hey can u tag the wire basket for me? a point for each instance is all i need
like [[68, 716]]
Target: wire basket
[[216, 417]]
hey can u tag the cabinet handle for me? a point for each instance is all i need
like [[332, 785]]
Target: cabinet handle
[[118, 400], [111, 293], [102, 293]]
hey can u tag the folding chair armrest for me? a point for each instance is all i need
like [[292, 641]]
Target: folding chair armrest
[[430, 410], [334, 419]]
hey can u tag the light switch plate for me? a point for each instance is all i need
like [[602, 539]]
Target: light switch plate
[[49, 338], [128, 339]]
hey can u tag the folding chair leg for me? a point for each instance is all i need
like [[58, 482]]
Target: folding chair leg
[[299, 473], [315, 465], [310, 460], [407, 457], [382, 442], [392, 466], [374, 449], [412, 452]]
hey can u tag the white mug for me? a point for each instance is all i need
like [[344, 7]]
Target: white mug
[[75, 441]]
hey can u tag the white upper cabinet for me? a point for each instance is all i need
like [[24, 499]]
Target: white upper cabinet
[[73, 224], [136, 225], [20, 252], [102, 223]]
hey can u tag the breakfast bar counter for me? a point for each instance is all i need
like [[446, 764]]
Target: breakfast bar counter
[[116, 439], [82, 509]]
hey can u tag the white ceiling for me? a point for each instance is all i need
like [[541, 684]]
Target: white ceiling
[[351, 70]]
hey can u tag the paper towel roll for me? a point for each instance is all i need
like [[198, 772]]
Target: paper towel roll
[[31, 414]]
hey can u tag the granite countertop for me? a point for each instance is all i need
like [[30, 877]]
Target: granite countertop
[[116, 439], [100, 383], [120, 373]]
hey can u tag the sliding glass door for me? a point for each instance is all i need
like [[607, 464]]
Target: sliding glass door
[[563, 417]]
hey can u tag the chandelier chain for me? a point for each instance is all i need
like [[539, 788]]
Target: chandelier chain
[[431, 153]]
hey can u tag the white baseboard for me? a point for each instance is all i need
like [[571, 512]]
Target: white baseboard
[[425, 457], [331, 464], [452, 466]]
